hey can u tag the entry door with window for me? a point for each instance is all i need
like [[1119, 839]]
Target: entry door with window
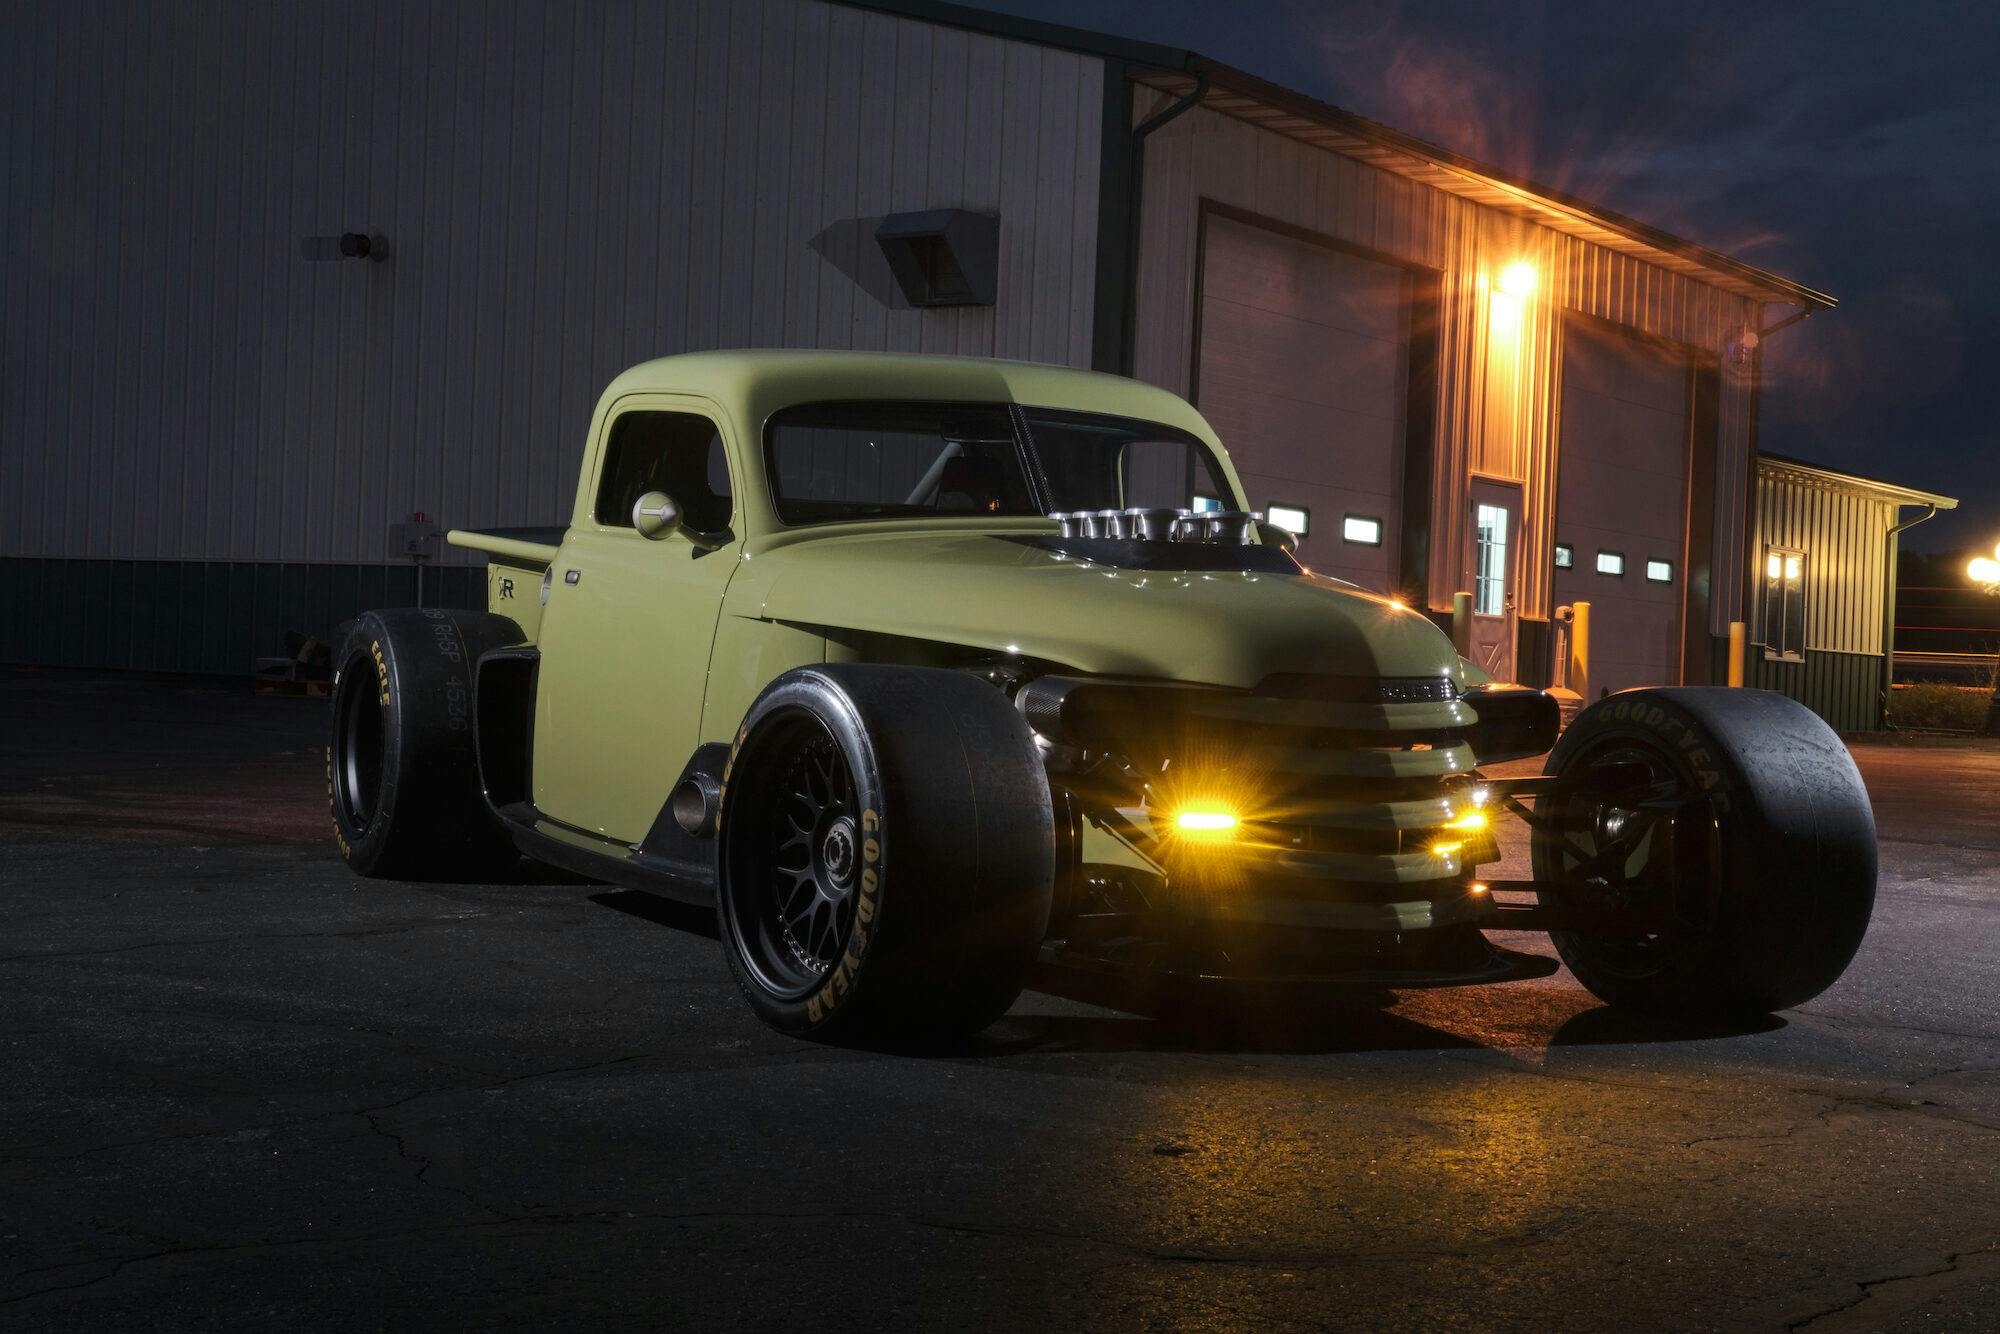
[[1495, 555]]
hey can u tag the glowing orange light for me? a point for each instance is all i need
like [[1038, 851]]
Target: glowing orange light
[[1208, 823], [1518, 279], [1477, 887]]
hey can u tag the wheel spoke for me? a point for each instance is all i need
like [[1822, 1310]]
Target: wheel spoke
[[805, 851]]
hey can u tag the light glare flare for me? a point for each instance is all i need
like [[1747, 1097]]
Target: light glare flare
[[1205, 822]]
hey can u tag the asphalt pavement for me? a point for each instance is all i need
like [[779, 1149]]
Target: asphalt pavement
[[241, 1088]]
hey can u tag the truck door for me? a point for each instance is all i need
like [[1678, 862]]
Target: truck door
[[630, 621]]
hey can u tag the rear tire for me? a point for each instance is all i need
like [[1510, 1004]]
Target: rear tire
[[402, 772], [886, 855], [1785, 898]]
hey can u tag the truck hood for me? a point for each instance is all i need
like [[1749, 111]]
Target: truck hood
[[1016, 595]]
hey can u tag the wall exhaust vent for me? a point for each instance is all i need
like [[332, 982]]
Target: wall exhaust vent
[[943, 257]]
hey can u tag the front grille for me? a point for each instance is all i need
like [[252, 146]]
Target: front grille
[[1354, 780], [1345, 779], [1359, 689]]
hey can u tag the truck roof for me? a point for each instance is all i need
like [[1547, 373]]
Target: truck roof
[[757, 382]]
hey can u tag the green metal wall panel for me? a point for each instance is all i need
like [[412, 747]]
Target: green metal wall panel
[[212, 617], [1843, 688]]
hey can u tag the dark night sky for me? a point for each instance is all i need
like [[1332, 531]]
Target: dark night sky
[[1853, 147]]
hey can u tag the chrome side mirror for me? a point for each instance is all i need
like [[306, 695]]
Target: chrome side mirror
[[656, 515], [1271, 535]]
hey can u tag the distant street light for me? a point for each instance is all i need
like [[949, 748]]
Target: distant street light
[[1985, 571]]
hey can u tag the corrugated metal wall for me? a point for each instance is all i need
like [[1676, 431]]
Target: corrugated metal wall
[[1504, 430], [1844, 535], [566, 189], [1843, 688]]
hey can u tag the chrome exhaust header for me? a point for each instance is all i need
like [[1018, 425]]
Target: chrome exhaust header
[[1151, 524]]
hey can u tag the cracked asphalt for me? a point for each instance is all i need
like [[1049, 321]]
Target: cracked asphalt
[[241, 1088]]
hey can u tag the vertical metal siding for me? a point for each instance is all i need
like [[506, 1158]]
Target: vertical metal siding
[[1843, 688], [1844, 535], [1205, 154], [566, 188]]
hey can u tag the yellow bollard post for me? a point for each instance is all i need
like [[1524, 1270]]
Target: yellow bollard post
[[1736, 638], [1461, 623], [1579, 652]]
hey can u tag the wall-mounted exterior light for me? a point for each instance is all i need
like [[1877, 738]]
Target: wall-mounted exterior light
[[347, 245], [1518, 279], [943, 257]]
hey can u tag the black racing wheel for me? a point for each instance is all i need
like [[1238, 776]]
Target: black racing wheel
[[1714, 851], [402, 772], [886, 852]]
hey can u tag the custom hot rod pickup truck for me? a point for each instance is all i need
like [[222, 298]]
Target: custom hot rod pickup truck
[[916, 668]]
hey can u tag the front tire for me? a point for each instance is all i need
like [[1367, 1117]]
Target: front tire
[[886, 853], [1757, 901]]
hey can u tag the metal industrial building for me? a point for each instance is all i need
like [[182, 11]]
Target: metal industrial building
[[1823, 549], [1463, 381]]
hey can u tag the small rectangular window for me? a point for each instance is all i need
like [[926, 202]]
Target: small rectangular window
[[1660, 571], [1361, 529], [1203, 504], [1784, 604], [1565, 556], [1611, 562], [1489, 571], [1293, 519]]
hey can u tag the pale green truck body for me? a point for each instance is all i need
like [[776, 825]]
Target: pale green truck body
[[697, 634], [921, 669]]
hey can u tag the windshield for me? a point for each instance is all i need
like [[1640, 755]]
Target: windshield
[[833, 462]]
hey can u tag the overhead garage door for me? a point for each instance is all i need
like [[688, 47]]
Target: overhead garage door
[[1621, 502], [1303, 363]]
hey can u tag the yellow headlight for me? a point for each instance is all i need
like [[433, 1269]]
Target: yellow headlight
[[1206, 822], [1469, 823]]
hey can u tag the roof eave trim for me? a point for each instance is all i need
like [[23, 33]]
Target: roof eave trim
[[1778, 287], [1907, 495]]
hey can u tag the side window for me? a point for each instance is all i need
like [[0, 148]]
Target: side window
[[1784, 603], [679, 453]]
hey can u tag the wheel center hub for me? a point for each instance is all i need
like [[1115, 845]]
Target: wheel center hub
[[836, 851]]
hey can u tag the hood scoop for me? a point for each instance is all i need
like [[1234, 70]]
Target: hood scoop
[[1166, 555]]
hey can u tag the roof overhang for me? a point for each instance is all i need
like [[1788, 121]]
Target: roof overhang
[[1234, 92], [1246, 97], [1778, 466]]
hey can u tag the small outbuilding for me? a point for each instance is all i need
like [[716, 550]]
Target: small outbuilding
[[1823, 586]]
